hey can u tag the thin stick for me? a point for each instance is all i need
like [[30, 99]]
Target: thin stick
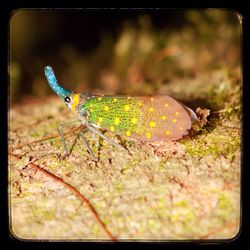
[[75, 192]]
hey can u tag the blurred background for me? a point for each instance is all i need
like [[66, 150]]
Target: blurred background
[[118, 51]]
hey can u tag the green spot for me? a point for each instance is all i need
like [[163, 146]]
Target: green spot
[[153, 224], [95, 229], [189, 216], [118, 187], [182, 203], [224, 206], [175, 217]]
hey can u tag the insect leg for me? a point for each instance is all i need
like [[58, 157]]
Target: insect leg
[[60, 131], [104, 137], [87, 146]]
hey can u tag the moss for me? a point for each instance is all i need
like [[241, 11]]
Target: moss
[[48, 215], [182, 203], [116, 213], [95, 229], [55, 165], [175, 217], [37, 134], [213, 143], [129, 166], [189, 216], [153, 224], [224, 206], [42, 214], [118, 187]]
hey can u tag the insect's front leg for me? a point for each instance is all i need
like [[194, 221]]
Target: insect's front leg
[[60, 131]]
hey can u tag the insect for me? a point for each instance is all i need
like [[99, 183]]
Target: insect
[[140, 118]]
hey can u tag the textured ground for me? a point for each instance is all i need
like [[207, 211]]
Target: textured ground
[[184, 190]]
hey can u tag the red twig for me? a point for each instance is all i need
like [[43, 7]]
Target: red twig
[[75, 192]]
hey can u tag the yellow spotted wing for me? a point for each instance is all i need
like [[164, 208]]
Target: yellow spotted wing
[[147, 118]]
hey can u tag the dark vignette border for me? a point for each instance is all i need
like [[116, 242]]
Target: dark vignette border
[[5, 14]]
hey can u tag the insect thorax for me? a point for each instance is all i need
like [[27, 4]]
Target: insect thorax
[[77, 105]]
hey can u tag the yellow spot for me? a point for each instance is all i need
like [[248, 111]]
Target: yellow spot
[[174, 120], [106, 108], [151, 109], [128, 133], [115, 100], [100, 119], [177, 113], [126, 107], [151, 99], [167, 132], [112, 128], [163, 117], [181, 128], [91, 105], [117, 121], [139, 104], [152, 124], [128, 97], [75, 101], [134, 120], [166, 105], [99, 98], [148, 135]]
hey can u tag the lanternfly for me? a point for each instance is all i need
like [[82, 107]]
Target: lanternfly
[[140, 118]]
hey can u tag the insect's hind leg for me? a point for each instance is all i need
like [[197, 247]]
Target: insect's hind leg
[[87, 146], [104, 137], [60, 131]]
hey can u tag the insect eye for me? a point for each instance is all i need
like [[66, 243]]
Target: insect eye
[[67, 99]]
